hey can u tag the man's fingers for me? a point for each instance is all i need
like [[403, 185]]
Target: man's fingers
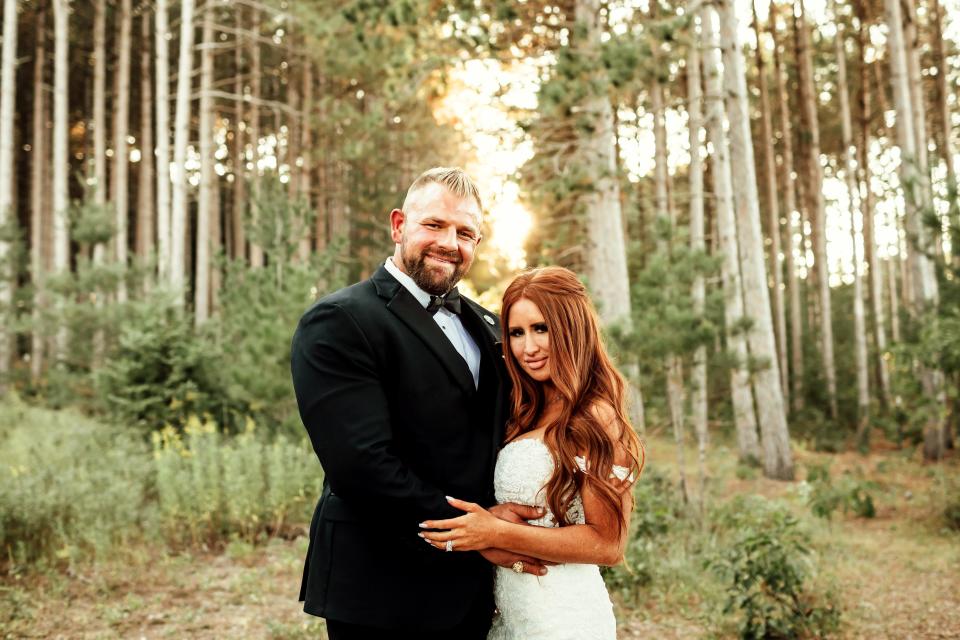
[[525, 511]]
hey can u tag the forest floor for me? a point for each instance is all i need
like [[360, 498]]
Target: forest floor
[[896, 575]]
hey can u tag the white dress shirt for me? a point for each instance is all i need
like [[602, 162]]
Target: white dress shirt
[[448, 322]]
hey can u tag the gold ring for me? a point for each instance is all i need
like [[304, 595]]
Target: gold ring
[[517, 567]]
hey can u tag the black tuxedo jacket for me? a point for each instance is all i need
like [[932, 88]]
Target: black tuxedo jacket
[[397, 423]]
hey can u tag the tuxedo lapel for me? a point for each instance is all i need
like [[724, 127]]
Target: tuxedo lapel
[[403, 305], [493, 375]]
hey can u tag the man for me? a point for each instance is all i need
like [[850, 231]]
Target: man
[[402, 388]]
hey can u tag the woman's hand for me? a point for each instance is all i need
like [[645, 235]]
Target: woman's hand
[[475, 530]]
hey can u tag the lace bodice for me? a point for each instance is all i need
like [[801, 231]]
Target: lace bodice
[[571, 601], [525, 466]]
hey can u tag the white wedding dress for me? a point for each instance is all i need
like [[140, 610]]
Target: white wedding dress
[[571, 601]]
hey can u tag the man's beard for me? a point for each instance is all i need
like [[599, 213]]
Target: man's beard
[[432, 279]]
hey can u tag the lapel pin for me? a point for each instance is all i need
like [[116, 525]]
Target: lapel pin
[[489, 320]]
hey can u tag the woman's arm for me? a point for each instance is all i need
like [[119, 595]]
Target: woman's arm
[[599, 541], [596, 542]]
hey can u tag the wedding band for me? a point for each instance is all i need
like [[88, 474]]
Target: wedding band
[[517, 567], [449, 545]]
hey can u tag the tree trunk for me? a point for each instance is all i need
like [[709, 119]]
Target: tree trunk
[[869, 213], [673, 365], [100, 112], [121, 155], [146, 218], [606, 268], [773, 217], [850, 177], [925, 293], [256, 250], [8, 216], [698, 371], [788, 183], [39, 217], [237, 230], [808, 97], [771, 412], [306, 148], [745, 421], [944, 141], [61, 163], [208, 177], [911, 37], [181, 127], [162, 104]]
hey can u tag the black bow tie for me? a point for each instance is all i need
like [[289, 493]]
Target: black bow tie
[[450, 302]]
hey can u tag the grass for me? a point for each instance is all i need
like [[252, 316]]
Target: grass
[[894, 576]]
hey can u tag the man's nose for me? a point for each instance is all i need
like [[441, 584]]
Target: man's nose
[[448, 239]]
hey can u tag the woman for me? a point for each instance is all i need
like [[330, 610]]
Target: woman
[[570, 449]]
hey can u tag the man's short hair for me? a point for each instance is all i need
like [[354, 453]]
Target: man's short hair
[[454, 179]]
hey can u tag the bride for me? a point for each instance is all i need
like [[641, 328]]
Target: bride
[[570, 450]]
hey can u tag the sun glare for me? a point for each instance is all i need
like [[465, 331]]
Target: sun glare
[[479, 103]]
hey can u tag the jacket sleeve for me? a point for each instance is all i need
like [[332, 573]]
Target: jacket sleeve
[[344, 408]]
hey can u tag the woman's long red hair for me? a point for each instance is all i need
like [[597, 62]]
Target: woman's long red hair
[[585, 380]]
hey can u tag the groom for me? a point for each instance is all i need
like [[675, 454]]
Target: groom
[[401, 385]]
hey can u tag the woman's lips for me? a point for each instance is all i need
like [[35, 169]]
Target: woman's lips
[[535, 364]]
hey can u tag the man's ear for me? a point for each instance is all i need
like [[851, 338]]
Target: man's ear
[[397, 218]]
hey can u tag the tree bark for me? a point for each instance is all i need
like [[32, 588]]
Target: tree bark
[[181, 127], [745, 421], [925, 293], [121, 156], [146, 218], [237, 229], [306, 148], [850, 177], [773, 216], [698, 371], [606, 251], [61, 163], [208, 177], [39, 216], [673, 366], [944, 141], [162, 103], [256, 250], [911, 36], [771, 412], [788, 182], [869, 213], [8, 216], [808, 97]]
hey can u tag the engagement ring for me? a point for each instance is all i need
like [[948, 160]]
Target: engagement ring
[[449, 545], [517, 567]]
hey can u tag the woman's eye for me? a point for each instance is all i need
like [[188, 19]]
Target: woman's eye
[[540, 328], [516, 333]]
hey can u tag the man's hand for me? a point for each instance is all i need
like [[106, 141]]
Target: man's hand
[[507, 559], [516, 513]]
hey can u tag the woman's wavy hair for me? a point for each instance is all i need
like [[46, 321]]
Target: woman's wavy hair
[[584, 378]]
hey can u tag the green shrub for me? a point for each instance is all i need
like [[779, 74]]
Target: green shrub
[[70, 486], [163, 371], [658, 510], [851, 494], [766, 565], [210, 487]]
